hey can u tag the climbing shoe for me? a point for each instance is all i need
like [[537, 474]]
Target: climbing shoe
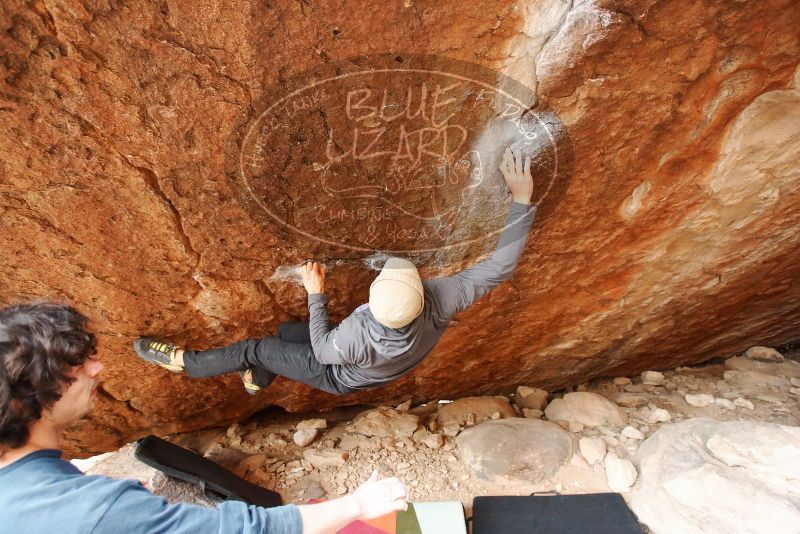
[[247, 379], [157, 352]]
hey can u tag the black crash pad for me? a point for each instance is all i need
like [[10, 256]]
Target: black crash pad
[[599, 513], [214, 479]]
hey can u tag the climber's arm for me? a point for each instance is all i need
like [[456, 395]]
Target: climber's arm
[[455, 293], [327, 348]]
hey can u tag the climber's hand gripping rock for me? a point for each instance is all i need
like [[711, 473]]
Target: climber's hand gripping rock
[[313, 275], [518, 175]]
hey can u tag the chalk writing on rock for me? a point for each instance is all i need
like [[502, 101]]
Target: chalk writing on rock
[[374, 154]]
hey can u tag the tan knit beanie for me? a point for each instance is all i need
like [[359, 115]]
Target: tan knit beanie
[[395, 296]]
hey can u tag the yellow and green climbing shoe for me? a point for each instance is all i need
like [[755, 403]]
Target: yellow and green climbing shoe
[[247, 379], [157, 352]]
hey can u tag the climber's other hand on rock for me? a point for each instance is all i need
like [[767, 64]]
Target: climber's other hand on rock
[[313, 275], [518, 176]]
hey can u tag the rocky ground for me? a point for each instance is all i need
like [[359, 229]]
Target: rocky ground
[[586, 440]]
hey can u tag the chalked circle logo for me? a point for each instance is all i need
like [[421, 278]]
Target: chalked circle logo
[[398, 154]]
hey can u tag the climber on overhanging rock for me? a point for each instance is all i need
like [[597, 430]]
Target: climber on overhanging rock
[[381, 340]]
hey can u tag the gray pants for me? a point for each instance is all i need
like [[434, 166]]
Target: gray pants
[[289, 354]]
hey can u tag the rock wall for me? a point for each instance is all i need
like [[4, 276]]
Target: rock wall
[[671, 235]]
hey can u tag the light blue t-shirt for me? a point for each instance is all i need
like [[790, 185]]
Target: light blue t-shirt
[[43, 494]]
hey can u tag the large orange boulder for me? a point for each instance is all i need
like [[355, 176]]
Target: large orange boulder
[[164, 165]]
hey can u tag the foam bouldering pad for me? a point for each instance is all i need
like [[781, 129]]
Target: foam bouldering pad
[[598, 513], [420, 518], [214, 479]]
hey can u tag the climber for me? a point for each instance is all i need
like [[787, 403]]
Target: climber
[[48, 380], [381, 340]]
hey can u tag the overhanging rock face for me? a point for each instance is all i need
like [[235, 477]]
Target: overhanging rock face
[[163, 164]]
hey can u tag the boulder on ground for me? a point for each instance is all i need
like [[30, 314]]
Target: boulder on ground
[[653, 378], [753, 378], [620, 472], [515, 450], [482, 408], [659, 415], [322, 458], [787, 369], [593, 449], [632, 432], [451, 429], [433, 441], [725, 403], [305, 436], [385, 422], [763, 354], [629, 400], [706, 476], [701, 400], [404, 407], [589, 409], [312, 423], [532, 398]]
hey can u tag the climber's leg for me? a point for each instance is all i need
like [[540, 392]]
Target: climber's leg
[[267, 357], [295, 331], [228, 359]]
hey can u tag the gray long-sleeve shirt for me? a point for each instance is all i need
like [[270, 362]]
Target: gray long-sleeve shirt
[[366, 354]]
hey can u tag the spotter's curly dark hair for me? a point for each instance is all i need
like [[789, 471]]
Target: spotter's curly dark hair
[[39, 344]]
